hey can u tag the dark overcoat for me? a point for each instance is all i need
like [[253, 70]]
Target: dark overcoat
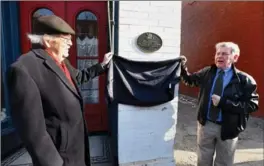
[[47, 110]]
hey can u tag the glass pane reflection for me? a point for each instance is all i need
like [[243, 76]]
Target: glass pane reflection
[[89, 90], [87, 34]]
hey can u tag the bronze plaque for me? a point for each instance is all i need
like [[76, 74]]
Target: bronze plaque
[[149, 42]]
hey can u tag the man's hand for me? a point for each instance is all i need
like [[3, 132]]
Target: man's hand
[[216, 99], [107, 57], [183, 59]]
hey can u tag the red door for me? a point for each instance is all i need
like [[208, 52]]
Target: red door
[[89, 20]]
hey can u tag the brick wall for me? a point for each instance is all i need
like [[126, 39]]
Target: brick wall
[[146, 135], [241, 22]]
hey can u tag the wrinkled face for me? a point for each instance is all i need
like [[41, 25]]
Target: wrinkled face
[[224, 57], [61, 45]]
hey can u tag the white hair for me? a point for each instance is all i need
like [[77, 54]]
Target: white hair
[[234, 47], [35, 39], [39, 39]]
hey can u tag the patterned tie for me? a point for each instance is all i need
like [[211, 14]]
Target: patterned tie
[[218, 88]]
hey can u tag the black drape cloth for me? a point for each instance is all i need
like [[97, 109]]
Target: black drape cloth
[[138, 83], [142, 83]]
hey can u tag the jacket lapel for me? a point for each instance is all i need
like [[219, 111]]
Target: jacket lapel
[[235, 79], [211, 78], [72, 73], [51, 64]]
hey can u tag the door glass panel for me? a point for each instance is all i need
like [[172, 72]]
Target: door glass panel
[[86, 35], [87, 47], [89, 90]]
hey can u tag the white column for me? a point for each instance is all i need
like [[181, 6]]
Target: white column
[[146, 135]]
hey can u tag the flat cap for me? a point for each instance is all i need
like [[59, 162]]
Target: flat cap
[[52, 25]]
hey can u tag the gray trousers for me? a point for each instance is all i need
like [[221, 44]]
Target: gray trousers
[[209, 143]]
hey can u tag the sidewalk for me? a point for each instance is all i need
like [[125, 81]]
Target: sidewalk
[[250, 151]]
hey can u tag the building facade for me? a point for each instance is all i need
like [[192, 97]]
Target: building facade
[[145, 135], [90, 20]]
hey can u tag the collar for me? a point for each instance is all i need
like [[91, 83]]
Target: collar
[[43, 54], [225, 70], [53, 57], [233, 67]]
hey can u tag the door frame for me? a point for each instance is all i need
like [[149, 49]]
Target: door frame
[[96, 8]]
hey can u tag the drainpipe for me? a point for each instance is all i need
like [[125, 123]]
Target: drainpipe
[[113, 20], [116, 26]]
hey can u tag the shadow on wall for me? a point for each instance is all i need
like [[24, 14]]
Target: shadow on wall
[[146, 133]]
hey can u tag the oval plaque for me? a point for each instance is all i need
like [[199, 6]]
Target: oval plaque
[[149, 42]]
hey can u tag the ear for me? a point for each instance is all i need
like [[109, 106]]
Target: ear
[[46, 41], [236, 58]]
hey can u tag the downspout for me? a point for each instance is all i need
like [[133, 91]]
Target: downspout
[[113, 21], [110, 22], [116, 26]]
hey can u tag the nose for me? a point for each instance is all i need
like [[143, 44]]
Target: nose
[[70, 42]]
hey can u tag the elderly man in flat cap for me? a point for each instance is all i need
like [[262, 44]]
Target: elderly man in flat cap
[[46, 105]]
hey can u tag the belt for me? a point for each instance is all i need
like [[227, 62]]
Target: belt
[[216, 122]]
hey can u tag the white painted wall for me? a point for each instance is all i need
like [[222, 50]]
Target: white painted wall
[[146, 135], [161, 17]]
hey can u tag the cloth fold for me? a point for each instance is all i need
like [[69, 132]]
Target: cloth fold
[[142, 83]]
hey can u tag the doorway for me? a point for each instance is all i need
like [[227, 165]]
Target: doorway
[[89, 20]]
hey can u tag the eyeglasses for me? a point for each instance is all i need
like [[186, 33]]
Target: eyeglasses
[[65, 39]]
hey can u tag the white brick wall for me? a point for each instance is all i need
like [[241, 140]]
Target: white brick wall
[[163, 18], [146, 135]]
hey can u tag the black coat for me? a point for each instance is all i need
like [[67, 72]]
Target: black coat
[[47, 110], [239, 98]]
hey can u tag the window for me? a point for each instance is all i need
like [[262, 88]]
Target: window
[[87, 52]]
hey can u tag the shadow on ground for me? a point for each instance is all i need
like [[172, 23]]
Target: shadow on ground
[[247, 163]]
